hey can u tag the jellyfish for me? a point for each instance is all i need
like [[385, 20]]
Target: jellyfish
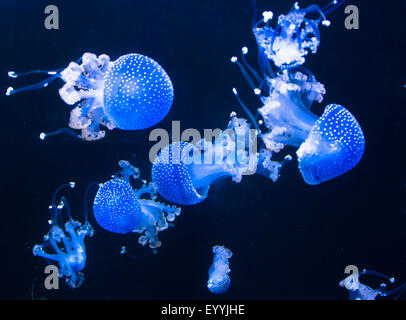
[[120, 208], [66, 240], [183, 172], [360, 291], [132, 93], [328, 146], [219, 281], [295, 35]]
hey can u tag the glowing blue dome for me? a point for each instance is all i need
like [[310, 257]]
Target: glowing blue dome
[[116, 207], [335, 145]]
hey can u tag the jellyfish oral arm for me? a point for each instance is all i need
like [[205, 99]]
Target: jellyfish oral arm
[[38, 250], [294, 36], [85, 83], [68, 245], [284, 110], [156, 217]]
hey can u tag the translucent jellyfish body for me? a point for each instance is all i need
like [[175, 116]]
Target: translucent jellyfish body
[[294, 36], [329, 145], [359, 291], [119, 208], [183, 172], [67, 241], [132, 93], [219, 281]]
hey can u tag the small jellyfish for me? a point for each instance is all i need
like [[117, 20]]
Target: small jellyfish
[[294, 36], [359, 291], [219, 281], [183, 172], [68, 244], [132, 93], [121, 209], [328, 146]]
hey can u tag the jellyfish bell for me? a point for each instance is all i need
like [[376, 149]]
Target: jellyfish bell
[[132, 93], [138, 92], [334, 146], [116, 208]]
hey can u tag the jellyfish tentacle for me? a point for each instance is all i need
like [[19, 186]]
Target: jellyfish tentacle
[[59, 189], [55, 245], [247, 111], [86, 203], [55, 74], [66, 131], [332, 6], [38, 250], [399, 290], [378, 274], [35, 86]]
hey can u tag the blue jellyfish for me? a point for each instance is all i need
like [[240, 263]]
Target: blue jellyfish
[[359, 291], [294, 36], [219, 281], [183, 172], [132, 93], [68, 244], [328, 146], [121, 209]]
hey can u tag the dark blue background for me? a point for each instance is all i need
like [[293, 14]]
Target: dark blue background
[[290, 240]]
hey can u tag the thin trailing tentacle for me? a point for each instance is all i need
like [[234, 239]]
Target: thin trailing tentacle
[[54, 74], [54, 207], [247, 111], [85, 201], [332, 6], [66, 206], [35, 86], [378, 274], [66, 131]]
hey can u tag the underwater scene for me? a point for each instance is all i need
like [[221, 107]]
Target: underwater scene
[[203, 150]]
